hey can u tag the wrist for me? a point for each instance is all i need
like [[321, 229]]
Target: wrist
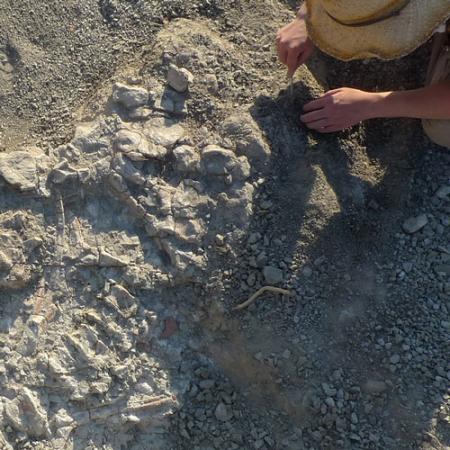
[[377, 105]]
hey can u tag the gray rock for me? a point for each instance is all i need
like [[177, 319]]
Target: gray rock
[[415, 224], [19, 169], [179, 78], [108, 260], [172, 102], [63, 173], [140, 113], [443, 269], [248, 138], [130, 96], [5, 262], [443, 192], [217, 160], [374, 387], [123, 166], [187, 158], [272, 275], [4, 445], [164, 132], [25, 413], [136, 147], [222, 413]]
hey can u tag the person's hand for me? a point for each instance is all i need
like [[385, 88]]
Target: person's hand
[[339, 109], [293, 44]]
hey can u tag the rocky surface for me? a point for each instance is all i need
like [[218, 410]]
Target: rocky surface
[[162, 181]]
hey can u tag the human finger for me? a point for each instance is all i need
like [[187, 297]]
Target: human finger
[[315, 104], [318, 124], [292, 61], [313, 116], [281, 47], [331, 129], [282, 52]]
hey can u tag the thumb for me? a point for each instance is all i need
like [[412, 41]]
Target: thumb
[[292, 62]]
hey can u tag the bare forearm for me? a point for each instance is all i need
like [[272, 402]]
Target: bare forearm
[[431, 102]]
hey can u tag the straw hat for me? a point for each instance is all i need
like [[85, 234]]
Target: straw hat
[[386, 29]]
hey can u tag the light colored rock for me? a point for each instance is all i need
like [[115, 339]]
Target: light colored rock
[[123, 166], [272, 275], [19, 169], [187, 158], [107, 260], [63, 172], [140, 113], [4, 445], [187, 203], [159, 227], [241, 170], [179, 78], [136, 147], [164, 132], [92, 137], [25, 413], [122, 301], [5, 262], [217, 160], [190, 231], [248, 138], [130, 96], [415, 224], [187, 264]]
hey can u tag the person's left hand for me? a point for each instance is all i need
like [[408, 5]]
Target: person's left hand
[[338, 109]]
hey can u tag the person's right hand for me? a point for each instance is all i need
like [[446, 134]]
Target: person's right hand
[[293, 44]]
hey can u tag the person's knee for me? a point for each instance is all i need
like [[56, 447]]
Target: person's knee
[[438, 131]]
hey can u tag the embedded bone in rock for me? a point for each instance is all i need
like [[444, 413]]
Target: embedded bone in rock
[[107, 260], [123, 166], [140, 113], [159, 227], [187, 203], [136, 147], [241, 171], [248, 138], [159, 196], [15, 272], [190, 231], [30, 338], [164, 132], [19, 169], [63, 172], [25, 413], [122, 301], [94, 137], [236, 206], [187, 158], [130, 96], [221, 162], [187, 264]]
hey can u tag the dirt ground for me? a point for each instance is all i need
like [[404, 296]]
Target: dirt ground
[[153, 176]]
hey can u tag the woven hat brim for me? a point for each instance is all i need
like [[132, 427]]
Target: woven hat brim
[[388, 39]]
